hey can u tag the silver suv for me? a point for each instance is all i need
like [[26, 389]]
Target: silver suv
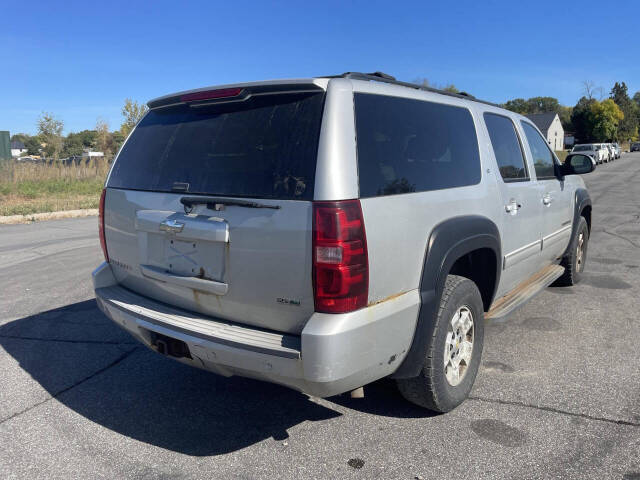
[[328, 232]]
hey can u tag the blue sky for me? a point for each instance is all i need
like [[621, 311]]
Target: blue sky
[[80, 60]]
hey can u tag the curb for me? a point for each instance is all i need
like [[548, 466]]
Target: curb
[[37, 217]]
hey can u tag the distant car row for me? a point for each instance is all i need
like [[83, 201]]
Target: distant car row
[[600, 152]]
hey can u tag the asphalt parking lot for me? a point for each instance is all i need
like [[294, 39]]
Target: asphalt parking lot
[[558, 394]]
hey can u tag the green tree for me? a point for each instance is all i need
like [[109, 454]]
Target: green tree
[[132, 112], [533, 105], [628, 127], [88, 138], [72, 145], [50, 132], [33, 145], [543, 104], [606, 117], [518, 105], [582, 120], [116, 141]]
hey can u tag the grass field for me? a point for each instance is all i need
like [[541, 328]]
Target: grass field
[[27, 188]]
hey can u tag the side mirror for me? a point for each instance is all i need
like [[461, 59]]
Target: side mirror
[[578, 164]]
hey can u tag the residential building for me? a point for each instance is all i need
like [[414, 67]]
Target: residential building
[[17, 148], [551, 127]]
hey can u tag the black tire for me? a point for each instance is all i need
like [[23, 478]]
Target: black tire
[[572, 267], [431, 389]]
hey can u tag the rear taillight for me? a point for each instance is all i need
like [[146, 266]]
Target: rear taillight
[[340, 263], [103, 241]]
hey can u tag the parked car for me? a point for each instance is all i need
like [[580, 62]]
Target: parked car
[[617, 150], [325, 233], [592, 149], [635, 147], [610, 151]]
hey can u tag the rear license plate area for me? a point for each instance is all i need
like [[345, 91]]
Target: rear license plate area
[[193, 258]]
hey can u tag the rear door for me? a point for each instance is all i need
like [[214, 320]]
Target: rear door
[[522, 213], [557, 197], [209, 207]]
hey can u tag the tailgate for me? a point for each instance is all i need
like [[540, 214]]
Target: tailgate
[[249, 265], [208, 207]]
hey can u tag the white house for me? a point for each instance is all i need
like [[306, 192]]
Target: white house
[[551, 127], [17, 148]]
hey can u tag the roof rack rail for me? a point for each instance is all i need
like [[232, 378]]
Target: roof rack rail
[[386, 78]]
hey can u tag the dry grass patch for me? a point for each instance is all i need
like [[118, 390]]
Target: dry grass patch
[[27, 188]]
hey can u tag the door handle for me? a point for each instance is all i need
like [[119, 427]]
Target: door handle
[[512, 207], [547, 199]]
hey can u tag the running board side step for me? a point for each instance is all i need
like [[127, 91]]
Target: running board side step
[[504, 306]]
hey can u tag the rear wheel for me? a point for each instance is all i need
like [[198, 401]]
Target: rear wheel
[[454, 350], [575, 258]]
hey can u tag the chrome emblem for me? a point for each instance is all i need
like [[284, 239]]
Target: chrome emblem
[[172, 226]]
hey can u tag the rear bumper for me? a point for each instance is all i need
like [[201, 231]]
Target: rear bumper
[[334, 354]]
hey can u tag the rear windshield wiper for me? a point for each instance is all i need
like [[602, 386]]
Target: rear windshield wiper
[[214, 203]]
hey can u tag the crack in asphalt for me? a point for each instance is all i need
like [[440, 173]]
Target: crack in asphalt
[[556, 410], [622, 237], [64, 340], [117, 361]]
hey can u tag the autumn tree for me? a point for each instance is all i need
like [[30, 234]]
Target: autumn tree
[[132, 111], [606, 116], [103, 136], [50, 132]]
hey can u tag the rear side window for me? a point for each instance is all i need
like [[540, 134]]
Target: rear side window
[[583, 148], [409, 145], [264, 147], [542, 156], [506, 147]]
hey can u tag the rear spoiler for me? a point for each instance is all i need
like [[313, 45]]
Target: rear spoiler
[[209, 96]]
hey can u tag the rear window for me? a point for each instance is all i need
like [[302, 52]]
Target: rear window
[[264, 147], [409, 146], [582, 148]]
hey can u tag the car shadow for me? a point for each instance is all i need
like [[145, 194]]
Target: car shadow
[[96, 369]]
